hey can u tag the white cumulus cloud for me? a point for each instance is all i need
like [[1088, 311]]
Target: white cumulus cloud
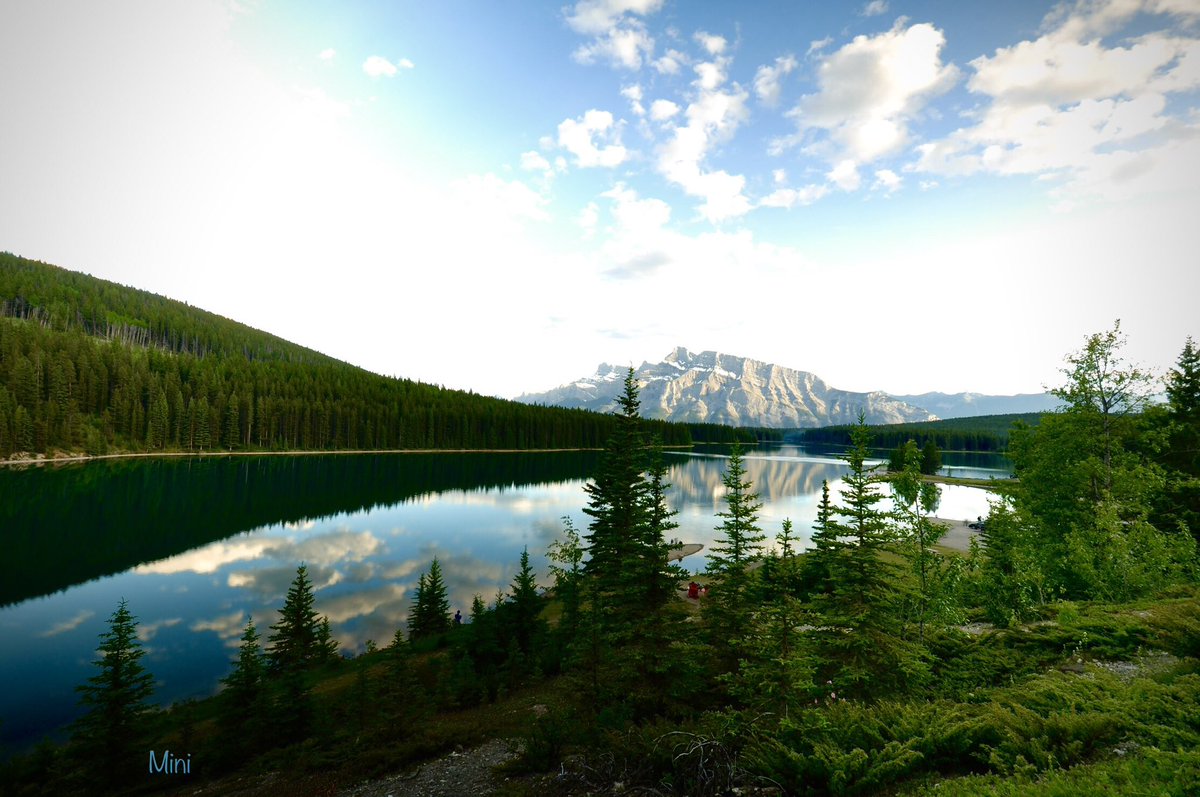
[[618, 34], [886, 180], [713, 44], [634, 95], [766, 79], [712, 118], [533, 161], [790, 197], [871, 89], [662, 110], [671, 63], [580, 137], [1093, 118], [845, 175], [377, 66]]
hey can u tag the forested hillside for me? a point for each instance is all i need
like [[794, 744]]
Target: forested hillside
[[978, 433], [90, 366]]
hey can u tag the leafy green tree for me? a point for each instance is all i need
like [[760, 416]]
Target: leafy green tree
[[566, 566], [107, 738], [1013, 576], [915, 501], [1104, 392], [1088, 484]]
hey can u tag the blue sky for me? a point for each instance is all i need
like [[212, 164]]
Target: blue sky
[[894, 195]]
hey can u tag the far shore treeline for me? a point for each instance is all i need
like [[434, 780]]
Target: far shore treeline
[[89, 366], [983, 433]]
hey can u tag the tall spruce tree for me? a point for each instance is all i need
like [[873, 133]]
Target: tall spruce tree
[[818, 562], [628, 579], [244, 701], [430, 613], [294, 643], [527, 627], [617, 506], [740, 542], [857, 642], [107, 738], [1179, 507]]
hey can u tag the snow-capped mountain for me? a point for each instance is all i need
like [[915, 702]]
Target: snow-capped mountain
[[720, 388]]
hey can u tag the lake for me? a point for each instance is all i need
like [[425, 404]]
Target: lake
[[197, 544]]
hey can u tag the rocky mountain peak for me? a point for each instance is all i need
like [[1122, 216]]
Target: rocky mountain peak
[[713, 387]]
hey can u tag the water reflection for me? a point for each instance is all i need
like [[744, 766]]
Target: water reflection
[[197, 547]]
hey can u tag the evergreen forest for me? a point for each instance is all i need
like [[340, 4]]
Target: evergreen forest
[[1059, 655], [89, 366], [980, 433]]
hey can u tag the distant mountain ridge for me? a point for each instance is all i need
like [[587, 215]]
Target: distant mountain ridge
[[713, 387], [721, 388]]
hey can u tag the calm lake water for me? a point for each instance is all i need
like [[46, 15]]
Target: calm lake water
[[197, 545]]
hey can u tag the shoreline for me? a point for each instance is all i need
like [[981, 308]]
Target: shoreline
[[42, 459], [56, 460]]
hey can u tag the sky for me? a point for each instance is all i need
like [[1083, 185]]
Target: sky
[[900, 196]]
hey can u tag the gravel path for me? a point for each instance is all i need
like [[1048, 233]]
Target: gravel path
[[464, 774]]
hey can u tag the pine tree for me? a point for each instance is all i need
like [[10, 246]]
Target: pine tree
[[294, 643], [657, 614], [430, 614], [617, 504], [788, 577], [419, 610], [629, 581], [326, 645], [244, 708], [115, 700], [742, 540], [405, 699], [203, 425], [818, 562], [1183, 385], [1180, 504], [728, 607], [526, 607], [857, 643]]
